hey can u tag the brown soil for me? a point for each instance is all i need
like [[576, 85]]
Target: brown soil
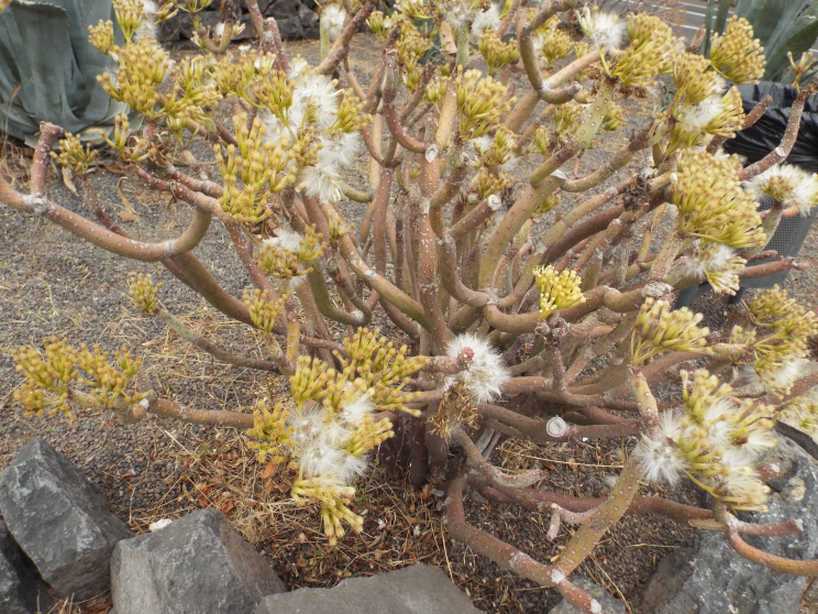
[[52, 284]]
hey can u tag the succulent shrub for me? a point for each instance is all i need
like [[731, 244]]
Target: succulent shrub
[[512, 279]]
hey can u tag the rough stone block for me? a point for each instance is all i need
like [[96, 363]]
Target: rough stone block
[[419, 589], [19, 583], [608, 604], [712, 578], [196, 565], [59, 520]]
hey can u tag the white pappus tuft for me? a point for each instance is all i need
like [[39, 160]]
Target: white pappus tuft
[[332, 21], [323, 181], [485, 20], [484, 372], [319, 446], [318, 91], [147, 29], [658, 455], [355, 411], [286, 239], [790, 185], [790, 371], [606, 30], [695, 118]]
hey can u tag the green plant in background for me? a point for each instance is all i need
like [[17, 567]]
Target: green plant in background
[[782, 26]]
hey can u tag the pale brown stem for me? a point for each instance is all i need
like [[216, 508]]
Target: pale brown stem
[[340, 47], [777, 563], [102, 237], [49, 133], [507, 556], [211, 348], [170, 409], [780, 153]]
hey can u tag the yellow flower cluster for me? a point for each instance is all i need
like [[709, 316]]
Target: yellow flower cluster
[[785, 328], [659, 328], [720, 116], [270, 434], [488, 182], [290, 255], [496, 52], [382, 366], [694, 77], [73, 155], [736, 54], [712, 203], [411, 46], [264, 311], [272, 91], [108, 379], [143, 293], [252, 170], [56, 375], [333, 424], [558, 289], [722, 267], [48, 376], [350, 117], [101, 36], [141, 68], [334, 499], [130, 15], [482, 103], [567, 119], [649, 53], [129, 148], [720, 438], [501, 149], [556, 43]]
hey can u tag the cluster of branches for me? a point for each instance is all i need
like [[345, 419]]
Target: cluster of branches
[[508, 299]]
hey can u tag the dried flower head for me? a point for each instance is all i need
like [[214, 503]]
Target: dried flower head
[[659, 328], [736, 54], [74, 155], [482, 102], [695, 78], [788, 185], [650, 51], [712, 204]]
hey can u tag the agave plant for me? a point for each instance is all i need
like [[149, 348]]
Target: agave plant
[[782, 26]]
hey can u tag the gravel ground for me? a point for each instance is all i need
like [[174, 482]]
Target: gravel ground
[[53, 285]]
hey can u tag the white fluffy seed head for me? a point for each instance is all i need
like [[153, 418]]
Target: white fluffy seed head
[[333, 17], [659, 458], [606, 30], [485, 20], [355, 411], [485, 373], [286, 239]]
